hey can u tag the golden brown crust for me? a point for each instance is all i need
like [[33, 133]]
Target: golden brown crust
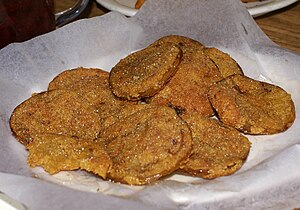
[[56, 112], [112, 114], [218, 150], [226, 65], [79, 123], [146, 144], [57, 153], [93, 85], [187, 90], [185, 43], [89, 83], [145, 72], [252, 106]]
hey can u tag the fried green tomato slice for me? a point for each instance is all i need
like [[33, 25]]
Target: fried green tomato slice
[[57, 153], [183, 42], [60, 112], [218, 150], [226, 64], [112, 114], [93, 85], [146, 144], [187, 89], [252, 106], [143, 73], [90, 83]]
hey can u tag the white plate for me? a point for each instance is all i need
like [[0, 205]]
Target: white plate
[[263, 7], [126, 7], [7, 203]]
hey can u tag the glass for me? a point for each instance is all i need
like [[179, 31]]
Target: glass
[[21, 20]]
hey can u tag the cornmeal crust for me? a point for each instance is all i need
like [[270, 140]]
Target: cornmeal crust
[[146, 144], [252, 106], [218, 150], [60, 112], [226, 65], [57, 153], [90, 83], [149, 117], [144, 73], [187, 89]]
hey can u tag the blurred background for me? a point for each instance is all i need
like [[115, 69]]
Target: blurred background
[[282, 26]]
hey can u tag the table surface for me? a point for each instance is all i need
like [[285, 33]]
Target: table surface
[[282, 26]]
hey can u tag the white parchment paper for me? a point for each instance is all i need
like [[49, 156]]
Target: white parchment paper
[[270, 179]]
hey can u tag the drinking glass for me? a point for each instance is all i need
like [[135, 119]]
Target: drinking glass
[[21, 20]]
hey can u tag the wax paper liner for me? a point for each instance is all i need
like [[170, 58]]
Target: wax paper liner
[[269, 179]]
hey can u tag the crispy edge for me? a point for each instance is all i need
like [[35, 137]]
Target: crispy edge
[[249, 105], [67, 78], [208, 160], [22, 115], [144, 73], [226, 64], [148, 126], [57, 153], [187, 90]]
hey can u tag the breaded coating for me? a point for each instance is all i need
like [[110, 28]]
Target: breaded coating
[[143, 73], [252, 106], [92, 84], [60, 112], [115, 112], [150, 115], [187, 90], [218, 150], [57, 153], [146, 144], [184, 42], [226, 64]]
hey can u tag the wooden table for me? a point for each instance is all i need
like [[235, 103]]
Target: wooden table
[[282, 26]]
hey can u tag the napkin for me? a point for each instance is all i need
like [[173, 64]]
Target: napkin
[[270, 178]]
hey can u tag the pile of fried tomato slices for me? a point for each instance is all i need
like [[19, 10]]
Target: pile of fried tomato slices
[[174, 107]]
